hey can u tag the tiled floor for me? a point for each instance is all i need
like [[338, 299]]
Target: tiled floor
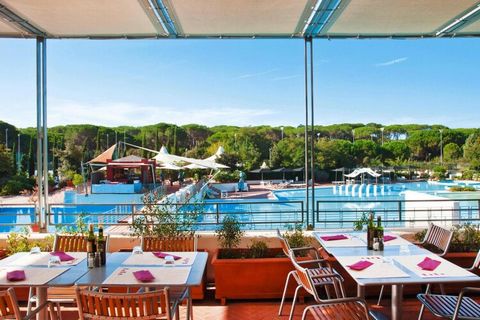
[[262, 310]]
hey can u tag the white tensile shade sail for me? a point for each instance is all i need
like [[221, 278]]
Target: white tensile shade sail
[[166, 159], [360, 171], [213, 158]]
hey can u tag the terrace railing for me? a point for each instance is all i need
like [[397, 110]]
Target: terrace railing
[[397, 213], [258, 214]]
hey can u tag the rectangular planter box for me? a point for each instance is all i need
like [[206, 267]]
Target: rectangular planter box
[[262, 278]]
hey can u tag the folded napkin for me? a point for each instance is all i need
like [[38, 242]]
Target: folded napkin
[[143, 276], [162, 255], [335, 237], [429, 264], [62, 255], [16, 275], [388, 238], [360, 265]]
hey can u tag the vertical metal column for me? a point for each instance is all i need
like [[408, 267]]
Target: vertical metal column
[[312, 137], [39, 133], [45, 130], [306, 136]]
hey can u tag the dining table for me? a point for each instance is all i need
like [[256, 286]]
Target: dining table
[[41, 275], [400, 263], [185, 272]]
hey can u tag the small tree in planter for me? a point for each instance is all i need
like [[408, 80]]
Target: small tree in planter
[[255, 272], [229, 234], [161, 217]]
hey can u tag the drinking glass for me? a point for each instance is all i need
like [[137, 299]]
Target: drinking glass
[[404, 249], [137, 250], [35, 250], [54, 261]]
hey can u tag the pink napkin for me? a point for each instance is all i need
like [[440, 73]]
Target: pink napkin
[[162, 255], [143, 276], [335, 237], [429, 264], [62, 255], [16, 275], [360, 265], [388, 238]]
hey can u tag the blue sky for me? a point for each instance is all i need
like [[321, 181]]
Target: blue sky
[[243, 82]]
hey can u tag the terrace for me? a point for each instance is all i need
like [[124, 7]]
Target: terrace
[[304, 20]]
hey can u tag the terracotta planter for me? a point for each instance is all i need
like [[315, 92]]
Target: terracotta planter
[[262, 278]]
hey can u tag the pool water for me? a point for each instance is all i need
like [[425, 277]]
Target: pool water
[[334, 208]]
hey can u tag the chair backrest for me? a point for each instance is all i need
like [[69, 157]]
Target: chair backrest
[[305, 278], [283, 243], [438, 237], [476, 263], [72, 243], [170, 244], [8, 305], [111, 306]]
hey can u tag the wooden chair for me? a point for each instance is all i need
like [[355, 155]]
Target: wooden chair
[[452, 307], [340, 308], [9, 308], [111, 306], [175, 244], [436, 237], [321, 267], [65, 243], [180, 244]]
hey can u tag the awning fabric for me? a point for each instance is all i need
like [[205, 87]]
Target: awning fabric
[[104, 156], [360, 171], [163, 19]]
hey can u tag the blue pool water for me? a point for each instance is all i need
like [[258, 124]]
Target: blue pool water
[[284, 210]]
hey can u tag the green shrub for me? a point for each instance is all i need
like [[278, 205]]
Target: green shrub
[[258, 249], [17, 184], [363, 221], [21, 242], [229, 234], [296, 238], [77, 179], [227, 176], [461, 188]]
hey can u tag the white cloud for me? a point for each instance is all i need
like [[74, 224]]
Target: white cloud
[[391, 62], [63, 112], [256, 74], [286, 77]]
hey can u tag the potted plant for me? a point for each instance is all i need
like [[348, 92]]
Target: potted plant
[[160, 217], [254, 272]]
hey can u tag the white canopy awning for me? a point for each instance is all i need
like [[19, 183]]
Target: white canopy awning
[[211, 159], [234, 18], [166, 159], [360, 171]]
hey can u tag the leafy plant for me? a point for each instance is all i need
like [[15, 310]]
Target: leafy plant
[[161, 217], [461, 188], [229, 234], [79, 227], [420, 235], [21, 242], [296, 238], [258, 249], [363, 221], [77, 179]]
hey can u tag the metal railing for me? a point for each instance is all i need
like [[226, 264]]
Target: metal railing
[[397, 213], [264, 214]]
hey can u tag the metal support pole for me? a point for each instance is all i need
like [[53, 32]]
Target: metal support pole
[[306, 136], [312, 138], [39, 133], [45, 129]]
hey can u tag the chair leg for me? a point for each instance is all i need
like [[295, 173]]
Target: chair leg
[[442, 288], [380, 296], [304, 314], [284, 292], [177, 312], [29, 303], [292, 310], [422, 307], [327, 291]]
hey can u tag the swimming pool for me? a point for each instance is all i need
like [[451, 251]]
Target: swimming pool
[[335, 207]]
